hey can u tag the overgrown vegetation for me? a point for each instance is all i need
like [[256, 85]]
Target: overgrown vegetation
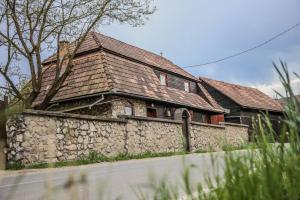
[[230, 147], [270, 171], [92, 158]]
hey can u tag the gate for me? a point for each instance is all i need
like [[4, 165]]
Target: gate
[[3, 105]]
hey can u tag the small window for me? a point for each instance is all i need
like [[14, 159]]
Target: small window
[[187, 86], [128, 110], [151, 112], [168, 112], [163, 79]]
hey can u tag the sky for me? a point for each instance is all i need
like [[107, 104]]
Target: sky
[[190, 32], [197, 31]]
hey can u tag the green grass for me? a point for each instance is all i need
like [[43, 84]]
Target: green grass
[[92, 158], [230, 147], [263, 172]]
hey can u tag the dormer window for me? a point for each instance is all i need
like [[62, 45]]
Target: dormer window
[[187, 86], [163, 79]]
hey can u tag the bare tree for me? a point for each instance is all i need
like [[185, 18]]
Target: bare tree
[[31, 27]]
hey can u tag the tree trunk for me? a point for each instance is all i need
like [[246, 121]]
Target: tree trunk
[[29, 100]]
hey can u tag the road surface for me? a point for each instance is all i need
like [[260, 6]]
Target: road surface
[[118, 180]]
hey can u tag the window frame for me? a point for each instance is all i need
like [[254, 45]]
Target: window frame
[[131, 110], [166, 78], [131, 106], [188, 86], [152, 111]]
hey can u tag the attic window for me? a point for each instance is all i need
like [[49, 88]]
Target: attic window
[[187, 86], [163, 79]]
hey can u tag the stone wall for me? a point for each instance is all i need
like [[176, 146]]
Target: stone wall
[[38, 136], [149, 135], [117, 107], [213, 137]]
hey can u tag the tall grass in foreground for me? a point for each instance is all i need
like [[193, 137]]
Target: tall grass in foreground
[[267, 171]]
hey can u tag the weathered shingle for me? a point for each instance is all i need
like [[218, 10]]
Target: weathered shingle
[[88, 77], [122, 68], [135, 78], [245, 96]]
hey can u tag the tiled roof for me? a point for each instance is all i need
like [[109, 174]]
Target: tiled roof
[[106, 71], [135, 78], [245, 96], [88, 77], [96, 40]]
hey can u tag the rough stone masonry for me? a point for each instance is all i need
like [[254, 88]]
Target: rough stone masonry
[[39, 136]]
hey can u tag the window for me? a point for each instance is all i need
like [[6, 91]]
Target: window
[[163, 79], [187, 86], [199, 117], [128, 110], [168, 112], [151, 112]]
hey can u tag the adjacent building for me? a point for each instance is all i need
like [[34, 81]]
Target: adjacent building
[[243, 104]]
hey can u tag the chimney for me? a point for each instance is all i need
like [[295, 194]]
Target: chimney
[[63, 48]]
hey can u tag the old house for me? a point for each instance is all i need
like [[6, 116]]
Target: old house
[[242, 104], [111, 78], [119, 99]]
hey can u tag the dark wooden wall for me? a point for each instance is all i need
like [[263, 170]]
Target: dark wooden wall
[[224, 101], [241, 115], [177, 82], [249, 116]]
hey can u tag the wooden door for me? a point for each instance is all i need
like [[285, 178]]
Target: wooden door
[[185, 130]]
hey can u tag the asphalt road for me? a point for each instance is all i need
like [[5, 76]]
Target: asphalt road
[[119, 180]]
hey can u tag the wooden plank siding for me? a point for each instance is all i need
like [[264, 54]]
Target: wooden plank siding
[[223, 100], [242, 115], [177, 82]]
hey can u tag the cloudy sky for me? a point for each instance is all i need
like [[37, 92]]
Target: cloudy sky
[[197, 31]]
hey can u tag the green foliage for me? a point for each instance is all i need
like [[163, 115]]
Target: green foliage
[[93, 157], [14, 166], [231, 147], [264, 171]]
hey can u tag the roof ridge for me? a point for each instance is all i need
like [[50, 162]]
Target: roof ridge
[[98, 42], [144, 50], [208, 97], [214, 83], [227, 83], [133, 46], [110, 81]]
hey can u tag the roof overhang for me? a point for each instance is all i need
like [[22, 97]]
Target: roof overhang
[[137, 96]]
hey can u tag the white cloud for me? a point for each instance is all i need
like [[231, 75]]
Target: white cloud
[[277, 86]]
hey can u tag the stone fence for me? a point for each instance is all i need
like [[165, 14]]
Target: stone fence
[[40, 136], [208, 136]]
